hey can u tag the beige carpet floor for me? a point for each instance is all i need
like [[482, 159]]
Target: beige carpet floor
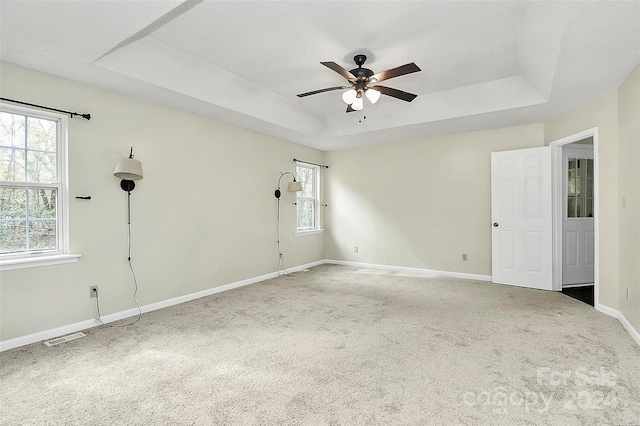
[[338, 346]]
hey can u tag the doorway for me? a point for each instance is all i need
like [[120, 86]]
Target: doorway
[[575, 228], [527, 212]]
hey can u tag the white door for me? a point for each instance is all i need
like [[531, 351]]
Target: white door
[[578, 258], [521, 210]]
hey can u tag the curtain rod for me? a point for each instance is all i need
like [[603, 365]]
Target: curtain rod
[[72, 114], [309, 162]]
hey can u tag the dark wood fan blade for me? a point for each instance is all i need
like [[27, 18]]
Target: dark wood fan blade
[[328, 89], [395, 72], [349, 109], [337, 68], [405, 96]]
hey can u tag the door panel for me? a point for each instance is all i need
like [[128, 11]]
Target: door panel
[[577, 218], [507, 250], [571, 248], [533, 250], [521, 217]]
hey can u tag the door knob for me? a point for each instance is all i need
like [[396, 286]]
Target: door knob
[[495, 224]]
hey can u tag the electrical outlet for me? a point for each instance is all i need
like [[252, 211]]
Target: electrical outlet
[[93, 291], [464, 257], [355, 249]]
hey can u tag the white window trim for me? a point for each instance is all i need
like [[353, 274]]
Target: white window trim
[[61, 255], [309, 232], [37, 260], [316, 189]]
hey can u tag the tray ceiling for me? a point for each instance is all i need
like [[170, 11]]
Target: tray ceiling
[[484, 64]]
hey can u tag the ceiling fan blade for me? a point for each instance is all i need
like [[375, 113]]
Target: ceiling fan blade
[[405, 96], [349, 109], [395, 72], [328, 89], [337, 68]]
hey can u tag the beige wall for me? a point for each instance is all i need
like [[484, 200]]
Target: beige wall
[[419, 204], [205, 204], [617, 117], [629, 177], [603, 114], [423, 203]]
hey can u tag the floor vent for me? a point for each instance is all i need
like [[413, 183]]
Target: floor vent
[[64, 339]]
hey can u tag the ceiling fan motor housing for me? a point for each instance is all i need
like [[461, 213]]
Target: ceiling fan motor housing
[[361, 73], [360, 59]]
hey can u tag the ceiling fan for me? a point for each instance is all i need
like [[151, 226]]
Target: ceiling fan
[[363, 82]]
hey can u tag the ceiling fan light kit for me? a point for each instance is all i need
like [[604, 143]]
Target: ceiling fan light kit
[[373, 95], [358, 103], [349, 96], [362, 81]]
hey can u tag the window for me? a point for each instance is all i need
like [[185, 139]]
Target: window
[[308, 201], [32, 179], [580, 188]]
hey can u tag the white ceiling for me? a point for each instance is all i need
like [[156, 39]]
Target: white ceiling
[[485, 64]]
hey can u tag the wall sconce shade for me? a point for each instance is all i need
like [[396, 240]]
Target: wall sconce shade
[[295, 186], [128, 169]]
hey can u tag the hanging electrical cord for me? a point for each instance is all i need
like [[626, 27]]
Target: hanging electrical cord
[[128, 170], [133, 273], [293, 187], [280, 254]]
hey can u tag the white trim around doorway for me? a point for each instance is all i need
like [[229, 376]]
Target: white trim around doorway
[[557, 180]]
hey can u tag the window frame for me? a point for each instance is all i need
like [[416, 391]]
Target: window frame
[[317, 228], [60, 254], [582, 200]]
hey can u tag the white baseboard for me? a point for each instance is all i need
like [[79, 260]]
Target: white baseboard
[[416, 271], [47, 334], [635, 335], [193, 296], [607, 310], [83, 325]]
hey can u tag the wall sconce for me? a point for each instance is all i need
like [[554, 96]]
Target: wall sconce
[[128, 170], [294, 186]]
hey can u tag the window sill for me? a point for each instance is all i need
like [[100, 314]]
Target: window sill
[[309, 232], [38, 260]]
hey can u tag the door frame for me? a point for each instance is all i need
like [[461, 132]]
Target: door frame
[[558, 190]]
